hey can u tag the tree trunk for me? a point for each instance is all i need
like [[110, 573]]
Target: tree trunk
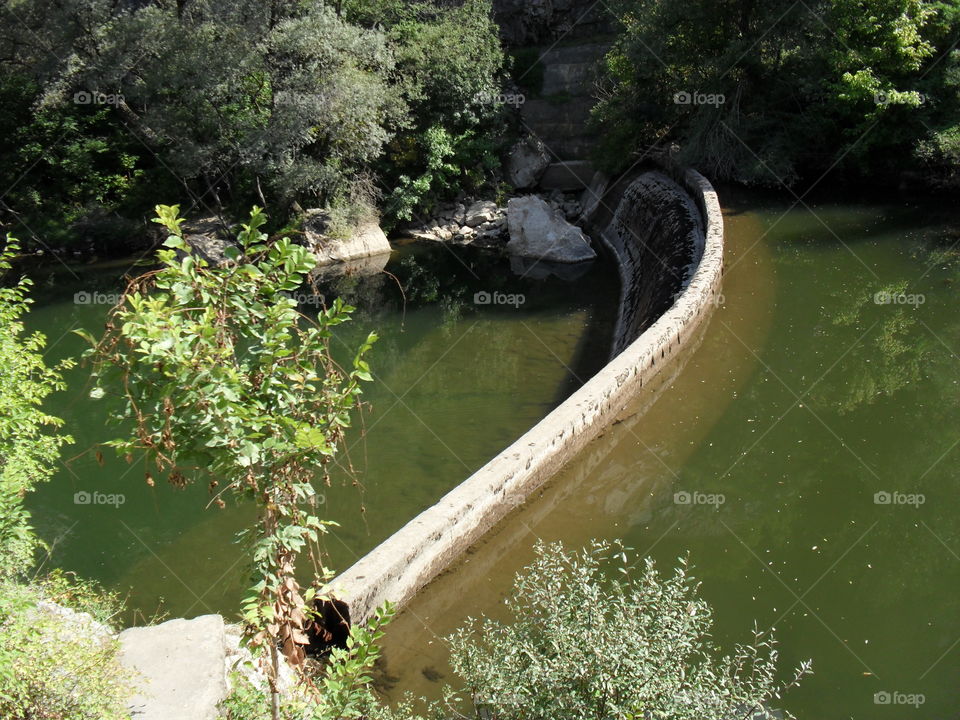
[[274, 681]]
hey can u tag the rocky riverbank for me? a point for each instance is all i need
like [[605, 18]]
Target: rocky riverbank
[[486, 224]]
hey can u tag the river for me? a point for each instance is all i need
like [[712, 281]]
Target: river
[[455, 381], [802, 455]]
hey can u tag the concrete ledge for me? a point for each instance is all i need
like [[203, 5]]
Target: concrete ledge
[[409, 559]]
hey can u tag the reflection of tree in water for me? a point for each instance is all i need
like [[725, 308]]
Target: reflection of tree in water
[[890, 357], [899, 351]]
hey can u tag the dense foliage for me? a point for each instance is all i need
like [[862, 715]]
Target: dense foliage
[[55, 669], [450, 60], [776, 92], [48, 668], [592, 636], [282, 103]]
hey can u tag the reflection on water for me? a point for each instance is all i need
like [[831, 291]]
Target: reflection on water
[[456, 382], [824, 415]]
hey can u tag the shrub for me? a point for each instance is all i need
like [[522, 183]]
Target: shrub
[[223, 379], [53, 664], [27, 450], [591, 636]]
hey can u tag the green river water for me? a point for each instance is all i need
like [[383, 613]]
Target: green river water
[[455, 382], [828, 423], [804, 400]]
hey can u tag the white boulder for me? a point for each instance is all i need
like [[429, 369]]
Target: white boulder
[[540, 231], [366, 240]]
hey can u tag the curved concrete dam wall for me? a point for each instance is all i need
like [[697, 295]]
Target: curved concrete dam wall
[[667, 239]]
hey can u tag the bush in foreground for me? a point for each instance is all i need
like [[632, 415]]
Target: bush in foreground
[[55, 663], [591, 636]]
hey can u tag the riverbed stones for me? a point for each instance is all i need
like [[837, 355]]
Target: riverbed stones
[[480, 222], [528, 161], [180, 666], [538, 230], [480, 212]]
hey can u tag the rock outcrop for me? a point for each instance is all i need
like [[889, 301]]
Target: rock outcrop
[[366, 240], [528, 161], [538, 230], [559, 114], [208, 237]]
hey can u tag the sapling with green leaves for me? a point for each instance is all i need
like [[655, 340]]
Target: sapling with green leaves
[[224, 379]]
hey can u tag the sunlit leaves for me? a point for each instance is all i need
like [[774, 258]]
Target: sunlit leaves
[[224, 377], [29, 441], [592, 636]]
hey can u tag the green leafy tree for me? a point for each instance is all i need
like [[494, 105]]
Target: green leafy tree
[[62, 165], [775, 92], [236, 101], [223, 378], [49, 668], [450, 69]]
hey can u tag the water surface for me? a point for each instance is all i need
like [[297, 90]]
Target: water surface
[[456, 382], [823, 418]]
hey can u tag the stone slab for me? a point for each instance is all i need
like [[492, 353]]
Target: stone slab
[[180, 664]]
